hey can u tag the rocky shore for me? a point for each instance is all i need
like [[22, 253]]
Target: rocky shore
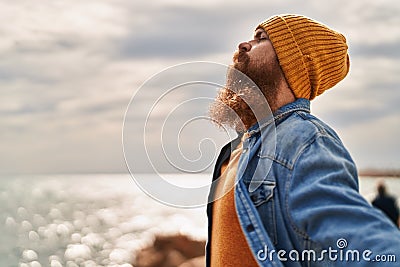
[[172, 251]]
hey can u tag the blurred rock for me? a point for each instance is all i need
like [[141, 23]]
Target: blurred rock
[[172, 251]]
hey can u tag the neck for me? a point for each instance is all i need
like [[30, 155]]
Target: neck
[[284, 96], [281, 94]]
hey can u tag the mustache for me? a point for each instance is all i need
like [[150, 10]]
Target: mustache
[[236, 78], [240, 58]]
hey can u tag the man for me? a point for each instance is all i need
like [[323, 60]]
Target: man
[[386, 203], [304, 208]]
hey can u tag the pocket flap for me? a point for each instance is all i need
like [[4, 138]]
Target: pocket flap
[[263, 193]]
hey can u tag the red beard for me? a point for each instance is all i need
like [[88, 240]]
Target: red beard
[[248, 91]]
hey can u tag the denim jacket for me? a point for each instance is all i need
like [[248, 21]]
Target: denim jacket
[[306, 209]]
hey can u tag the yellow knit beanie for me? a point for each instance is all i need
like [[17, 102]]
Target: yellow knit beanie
[[313, 57]]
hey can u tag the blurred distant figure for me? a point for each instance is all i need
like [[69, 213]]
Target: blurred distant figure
[[386, 203]]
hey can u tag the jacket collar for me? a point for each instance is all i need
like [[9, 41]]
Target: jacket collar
[[300, 104]]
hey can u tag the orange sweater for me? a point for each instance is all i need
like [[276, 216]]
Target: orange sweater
[[228, 243]]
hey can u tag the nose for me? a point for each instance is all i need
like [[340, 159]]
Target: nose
[[245, 47]]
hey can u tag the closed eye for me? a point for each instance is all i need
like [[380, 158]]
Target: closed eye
[[260, 35], [262, 39]]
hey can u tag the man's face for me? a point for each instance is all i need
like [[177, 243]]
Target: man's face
[[235, 105], [257, 59]]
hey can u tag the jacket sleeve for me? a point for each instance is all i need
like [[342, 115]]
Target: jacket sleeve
[[325, 208]]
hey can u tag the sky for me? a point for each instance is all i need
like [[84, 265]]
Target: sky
[[69, 69]]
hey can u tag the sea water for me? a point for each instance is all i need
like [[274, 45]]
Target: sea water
[[95, 220]]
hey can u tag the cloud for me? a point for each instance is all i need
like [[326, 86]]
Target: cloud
[[382, 50], [69, 69], [374, 144]]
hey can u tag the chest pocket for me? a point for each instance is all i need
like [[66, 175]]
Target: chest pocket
[[263, 200]]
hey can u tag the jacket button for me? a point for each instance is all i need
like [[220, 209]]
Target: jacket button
[[250, 228]]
